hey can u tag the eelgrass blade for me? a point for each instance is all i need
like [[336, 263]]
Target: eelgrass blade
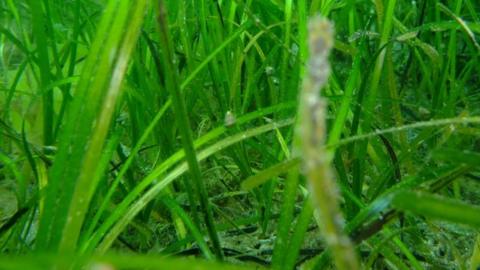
[[269, 173], [178, 103], [437, 207], [88, 179], [113, 261], [39, 23], [311, 135], [83, 137], [129, 208], [402, 111], [170, 162], [175, 208], [298, 235], [285, 221], [475, 259], [386, 26]]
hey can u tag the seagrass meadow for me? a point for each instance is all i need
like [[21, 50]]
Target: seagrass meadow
[[239, 134]]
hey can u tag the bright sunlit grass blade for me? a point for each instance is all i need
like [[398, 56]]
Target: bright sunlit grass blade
[[63, 229], [88, 180]]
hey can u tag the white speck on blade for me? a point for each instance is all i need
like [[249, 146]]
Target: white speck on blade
[[275, 81], [269, 70]]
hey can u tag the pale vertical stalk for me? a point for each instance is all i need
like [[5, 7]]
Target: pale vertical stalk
[[311, 133]]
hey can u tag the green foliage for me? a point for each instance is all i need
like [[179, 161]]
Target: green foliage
[[166, 127]]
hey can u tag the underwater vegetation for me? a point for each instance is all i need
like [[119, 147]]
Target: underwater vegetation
[[242, 134]]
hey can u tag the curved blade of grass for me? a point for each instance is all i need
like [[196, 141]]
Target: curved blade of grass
[[124, 168], [124, 213], [420, 124], [267, 174], [462, 23], [457, 157], [175, 158], [162, 111], [437, 207]]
